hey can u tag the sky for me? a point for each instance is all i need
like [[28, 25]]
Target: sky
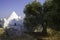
[[8, 6]]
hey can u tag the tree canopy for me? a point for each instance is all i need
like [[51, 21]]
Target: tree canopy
[[47, 14], [32, 13], [52, 11]]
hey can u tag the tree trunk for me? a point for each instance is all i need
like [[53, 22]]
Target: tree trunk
[[44, 25]]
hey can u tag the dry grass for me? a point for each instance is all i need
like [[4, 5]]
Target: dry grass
[[3, 36], [53, 35], [1, 31]]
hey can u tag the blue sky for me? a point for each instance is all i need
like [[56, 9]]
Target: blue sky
[[8, 6]]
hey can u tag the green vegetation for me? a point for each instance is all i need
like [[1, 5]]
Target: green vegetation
[[47, 15], [52, 11], [33, 14]]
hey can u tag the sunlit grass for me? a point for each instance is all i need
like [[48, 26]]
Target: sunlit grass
[[1, 31], [52, 35]]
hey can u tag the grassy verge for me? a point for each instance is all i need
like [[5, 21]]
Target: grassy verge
[[52, 35]]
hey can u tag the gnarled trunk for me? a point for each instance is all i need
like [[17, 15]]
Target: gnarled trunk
[[44, 25]]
